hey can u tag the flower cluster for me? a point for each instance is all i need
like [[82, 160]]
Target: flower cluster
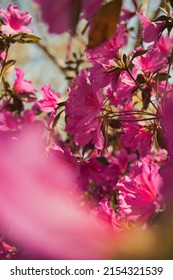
[[115, 162]]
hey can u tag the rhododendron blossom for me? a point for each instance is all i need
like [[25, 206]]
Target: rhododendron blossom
[[151, 30], [152, 61], [139, 195], [14, 20], [22, 86], [50, 100], [87, 174], [83, 108]]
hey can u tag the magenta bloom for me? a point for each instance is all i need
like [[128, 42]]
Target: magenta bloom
[[14, 21], [9, 121], [136, 137], [22, 86], [165, 44], [95, 171], [89, 7], [151, 30], [34, 202], [50, 100], [139, 194], [105, 213], [152, 61], [83, 108], [59, 15]]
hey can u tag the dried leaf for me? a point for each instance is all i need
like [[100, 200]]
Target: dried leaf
[[103, 23]]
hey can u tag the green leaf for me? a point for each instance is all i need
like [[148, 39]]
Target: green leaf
[[140, 79], [160, 139], [56, 119], [171, 2], [61, 104], [115, 123], [27, 38], [7, 66], [146, 93], [103, 160], [124, 58], [163, 76], [161, 18], [139, 53]]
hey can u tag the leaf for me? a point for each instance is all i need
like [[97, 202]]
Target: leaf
[[115, 123], [139, 53], [16, 106], [7, 66], [140, 79], [163, 76], [56, 119], [103, 160], [146, 93], [27, 38], [75, 16], [103, 23], [171, 2], [161, 18], [160, 139]]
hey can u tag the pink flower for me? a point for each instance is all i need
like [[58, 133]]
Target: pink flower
[[103, 60], [105, 213], [14, 21], [49, 102], [2, 55], [165, 44], [23, 87], [9, 121], [89, 7], [167, 189], [108, 51], [83, 108], [136, 137], [6, 251], [151, 30], [152, 61], [35, 203], [60, 15], [97, 172], [122, 89], [123, 159], [139, 194]]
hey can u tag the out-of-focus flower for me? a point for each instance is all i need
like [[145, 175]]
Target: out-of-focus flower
[[2, 55], [61, 15], [35, 203], [9, 121], [14, 20]]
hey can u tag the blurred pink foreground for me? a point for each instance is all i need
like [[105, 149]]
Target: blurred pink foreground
[[36, 210]]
